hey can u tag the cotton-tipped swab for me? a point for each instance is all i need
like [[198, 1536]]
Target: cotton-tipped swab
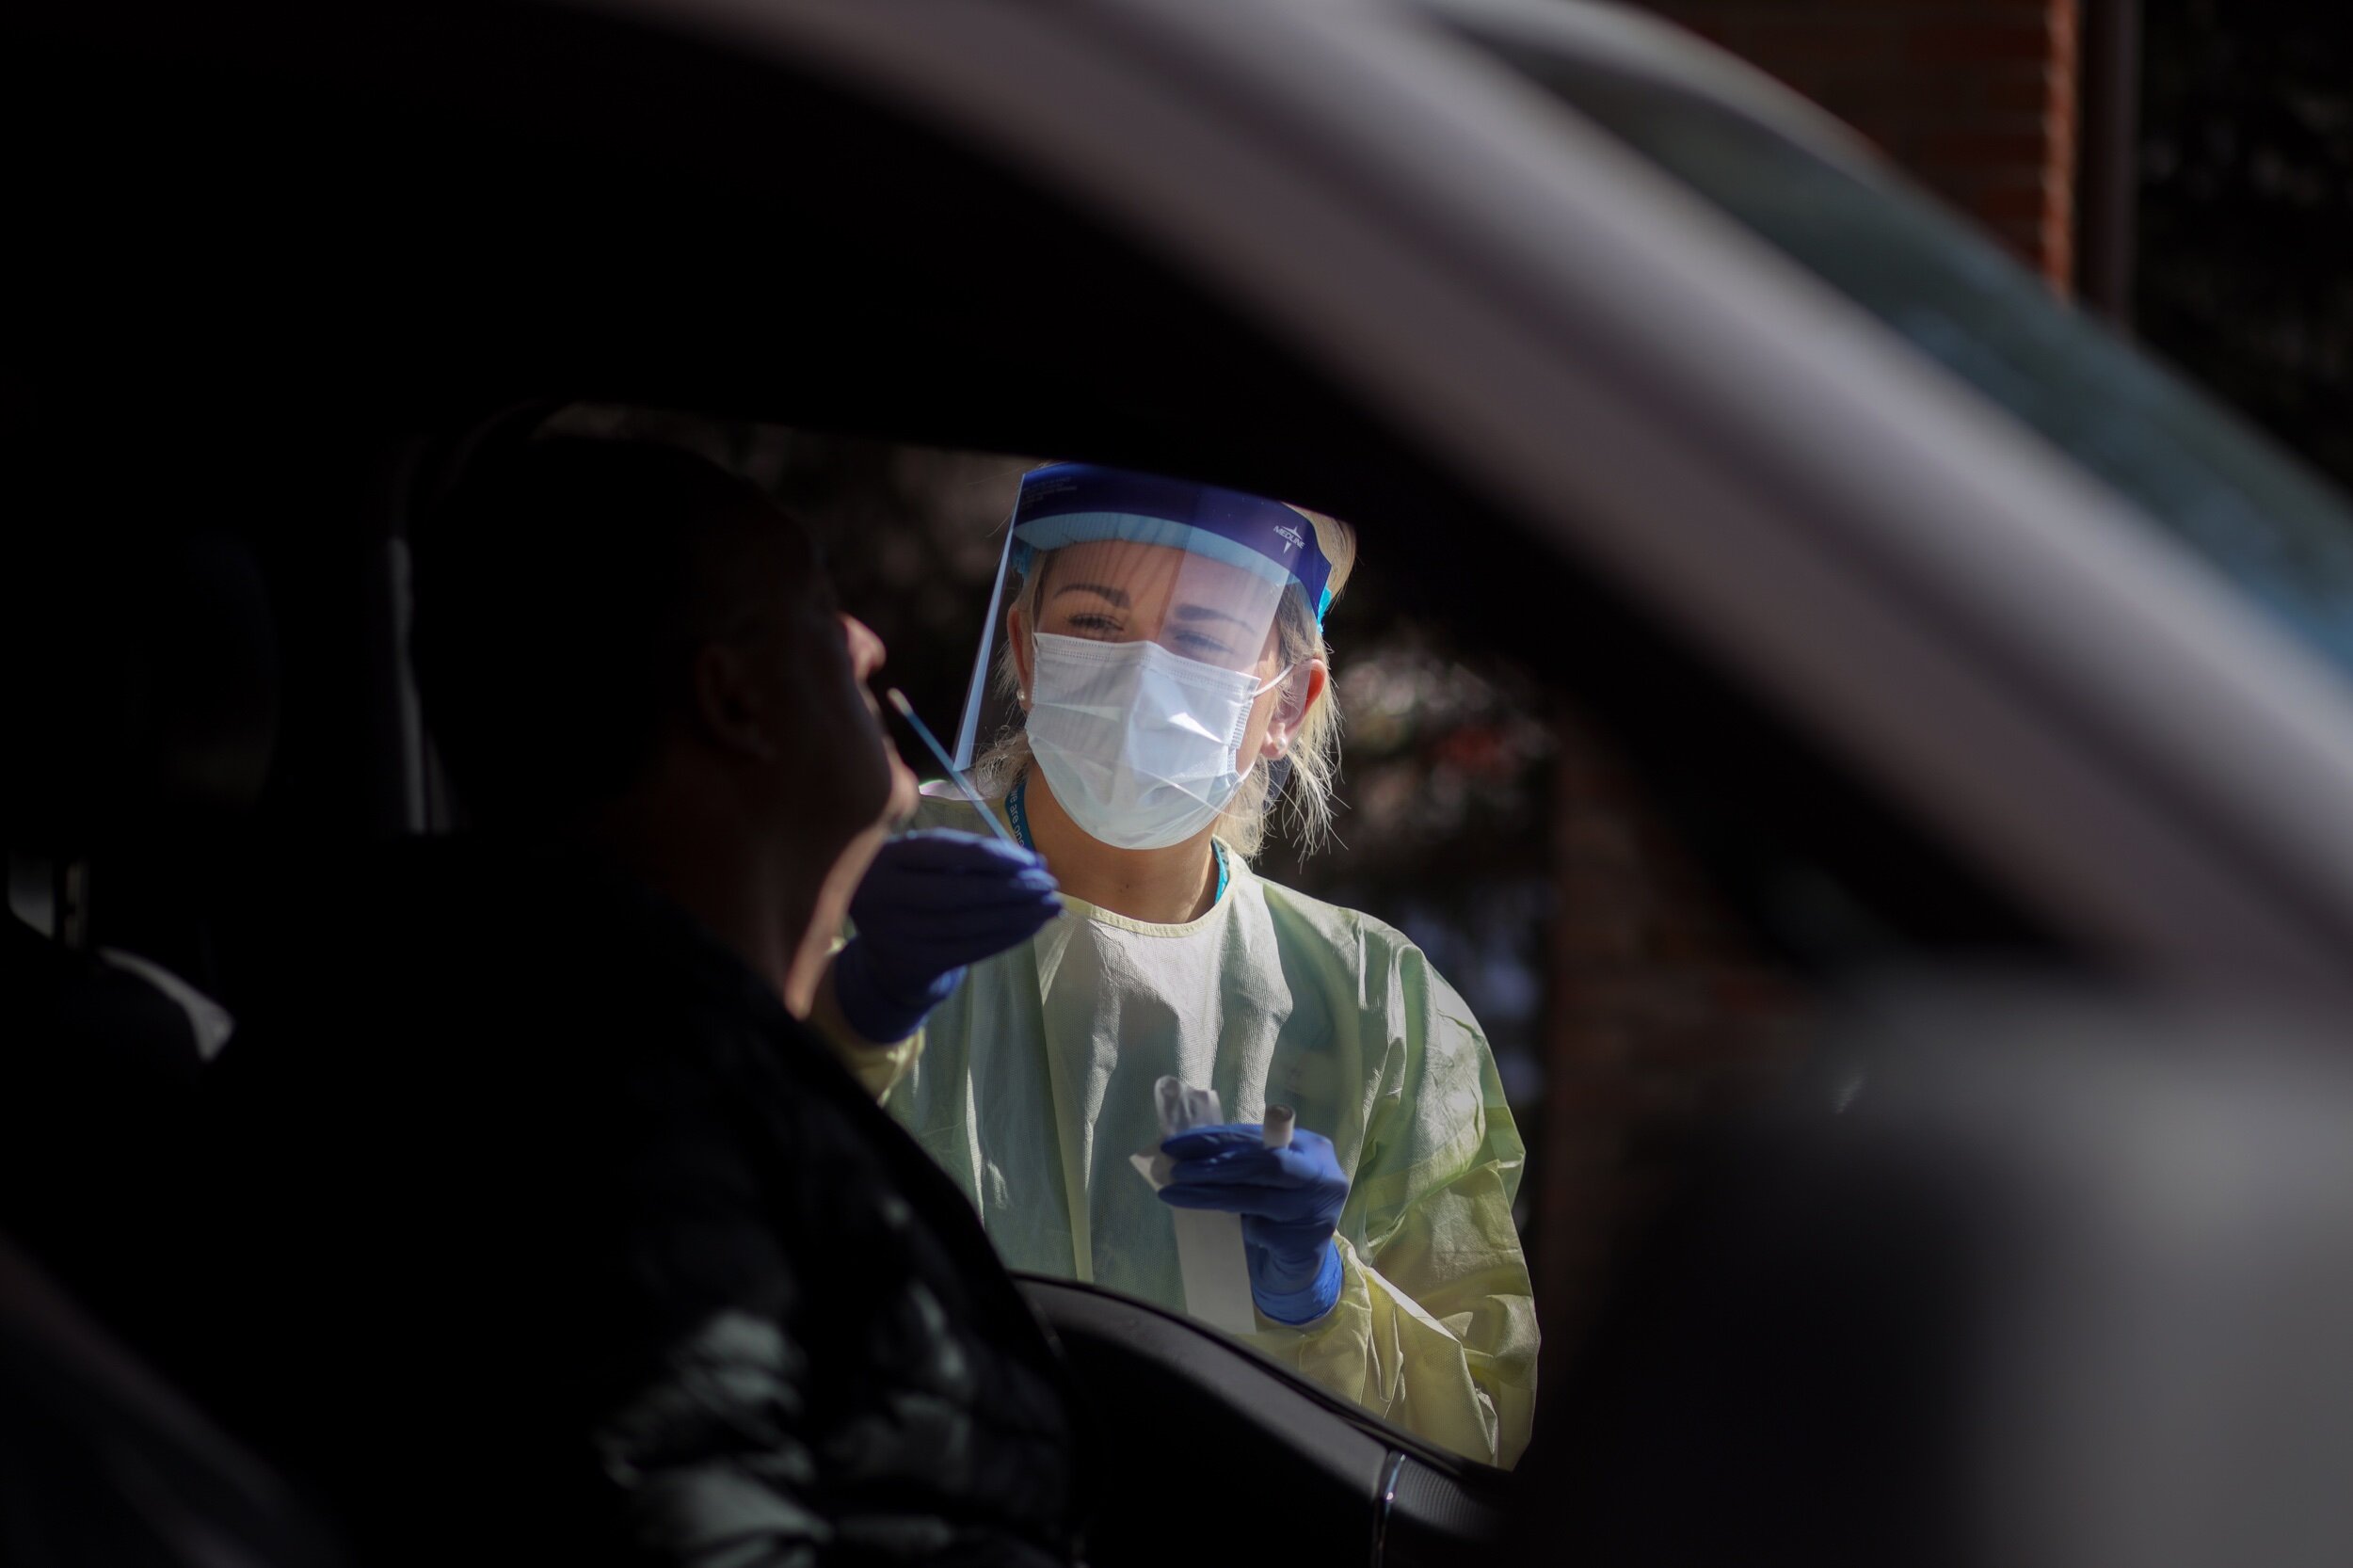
[[898, 699], [1276, 1131]]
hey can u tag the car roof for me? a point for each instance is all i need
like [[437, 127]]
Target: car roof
[[1642, 46]]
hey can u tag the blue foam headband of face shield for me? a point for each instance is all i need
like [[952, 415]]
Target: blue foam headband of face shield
[[1066, 504]]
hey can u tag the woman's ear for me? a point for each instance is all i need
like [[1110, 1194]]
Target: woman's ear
[[1299, 693], [1017, 639]]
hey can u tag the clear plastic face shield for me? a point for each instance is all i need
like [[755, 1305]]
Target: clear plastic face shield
[[1153, 626]]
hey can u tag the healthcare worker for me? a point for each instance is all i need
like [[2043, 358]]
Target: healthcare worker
[[1162, 641]]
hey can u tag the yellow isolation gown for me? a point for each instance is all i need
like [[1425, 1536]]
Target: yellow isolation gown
[[1032, 1085]]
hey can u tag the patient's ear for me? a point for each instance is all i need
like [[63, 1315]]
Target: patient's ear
[[735, 708]]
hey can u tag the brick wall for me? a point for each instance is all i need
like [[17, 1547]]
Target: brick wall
[[1979, 99]]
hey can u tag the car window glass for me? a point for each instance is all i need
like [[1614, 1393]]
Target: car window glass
[[2276, 530]]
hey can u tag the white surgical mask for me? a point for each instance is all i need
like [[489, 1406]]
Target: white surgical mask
[[1142, 746]]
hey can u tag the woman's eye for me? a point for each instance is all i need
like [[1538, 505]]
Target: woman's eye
[[1201, 647], [1095, 625]]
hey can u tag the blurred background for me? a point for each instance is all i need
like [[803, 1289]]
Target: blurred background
[[2179, 167]]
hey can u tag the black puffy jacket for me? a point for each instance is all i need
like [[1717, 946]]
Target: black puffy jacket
[[537, 1229]]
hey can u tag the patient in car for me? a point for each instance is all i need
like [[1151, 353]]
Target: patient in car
[[545, 1229]]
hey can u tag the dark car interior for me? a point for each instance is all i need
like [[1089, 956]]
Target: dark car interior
[[271, 286]]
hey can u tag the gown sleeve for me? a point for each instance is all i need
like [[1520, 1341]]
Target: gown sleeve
[[1435, 1328], [877, 1068], [880, 1068]]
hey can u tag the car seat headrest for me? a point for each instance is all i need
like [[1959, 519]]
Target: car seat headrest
[[142, 680]]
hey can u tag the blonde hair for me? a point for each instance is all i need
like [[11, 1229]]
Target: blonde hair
[[1314, 755]]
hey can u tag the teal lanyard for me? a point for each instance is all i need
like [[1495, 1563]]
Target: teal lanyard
[[1016, 808]]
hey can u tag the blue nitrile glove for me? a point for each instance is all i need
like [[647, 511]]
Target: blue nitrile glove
[[1290, 1200], [931, 904]]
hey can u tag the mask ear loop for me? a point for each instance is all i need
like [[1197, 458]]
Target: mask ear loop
[[1294, 709], [1278, 769], [1280, 676]]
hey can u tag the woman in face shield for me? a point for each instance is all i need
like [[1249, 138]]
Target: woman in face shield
[[1162, 642]]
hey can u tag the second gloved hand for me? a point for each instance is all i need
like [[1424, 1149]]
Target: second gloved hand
[[931, 904], [1290, 1200]]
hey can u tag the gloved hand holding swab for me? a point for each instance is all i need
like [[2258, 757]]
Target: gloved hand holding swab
[[932, 903]]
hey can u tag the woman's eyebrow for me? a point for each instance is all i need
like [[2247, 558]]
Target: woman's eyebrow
[[1203, 612], [1116, 596]]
